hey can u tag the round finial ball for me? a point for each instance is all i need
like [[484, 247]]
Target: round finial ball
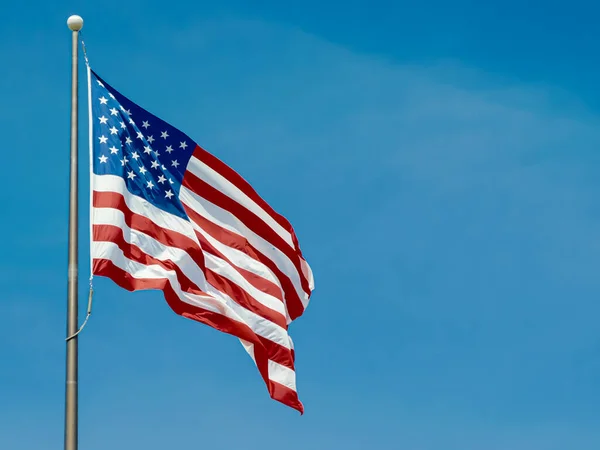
[[75, 23]]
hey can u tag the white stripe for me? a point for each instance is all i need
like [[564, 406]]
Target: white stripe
[[308, 274], [191, 270], [276, 372], [282, 375], [222, 184], [138, 205], [226, 220]]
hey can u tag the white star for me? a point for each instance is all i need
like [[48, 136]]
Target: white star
[[128, 140], [103, 100], [147, 149], [174, 163], [164, 135], [113, 130], [102, 159], [156, 153], [131, 175], [143, 170], [135, 155], [114, 150], [150, 185], [99, 83], [155, 164], [140, 135], [123, 125], [151, 139], [168, 194], [103, 119], [128, 112], [169, 149], [171, 181], [103, 139], [124, 160], [131, 121], [183, 145], [113, 111], [145, 124], [162, 179], [111, 96], [163, 167]]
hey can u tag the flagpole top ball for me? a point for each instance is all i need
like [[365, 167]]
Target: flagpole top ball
[[75, 23]]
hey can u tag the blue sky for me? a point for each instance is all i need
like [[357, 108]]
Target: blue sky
[[439, 164]]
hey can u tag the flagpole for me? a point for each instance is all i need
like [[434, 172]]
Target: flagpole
[[75, 23]]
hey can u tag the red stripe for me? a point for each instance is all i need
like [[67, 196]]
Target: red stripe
[[178, 240], [106, 268], [234, 240], [286, 395], [251, 220]]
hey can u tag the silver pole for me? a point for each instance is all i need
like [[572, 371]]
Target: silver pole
[[75, 23]]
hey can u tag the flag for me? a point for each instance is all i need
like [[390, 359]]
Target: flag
[[168, 215]]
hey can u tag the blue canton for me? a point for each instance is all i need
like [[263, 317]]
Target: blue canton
[[149, 154]]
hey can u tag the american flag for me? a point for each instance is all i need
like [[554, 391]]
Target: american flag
[[168, 215]]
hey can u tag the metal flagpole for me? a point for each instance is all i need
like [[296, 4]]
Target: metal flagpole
[[75, 23]]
